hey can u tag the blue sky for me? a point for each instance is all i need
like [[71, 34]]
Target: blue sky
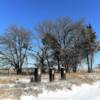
[[28, 13]]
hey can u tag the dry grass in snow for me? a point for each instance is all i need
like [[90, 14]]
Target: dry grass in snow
[[13, 87]]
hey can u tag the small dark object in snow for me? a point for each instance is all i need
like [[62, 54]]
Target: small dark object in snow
[[63, 73], [37, 75], [51, 74]]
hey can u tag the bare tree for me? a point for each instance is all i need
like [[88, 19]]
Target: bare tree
[[70, 41], [14, 45], [61, 36]]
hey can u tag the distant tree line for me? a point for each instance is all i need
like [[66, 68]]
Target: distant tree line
[[63, 43]]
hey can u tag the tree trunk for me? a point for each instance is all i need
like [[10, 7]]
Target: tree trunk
[[42, 67], [75, 68], [67, 68], [19, 71], [58, 66], [89, 69], [48, 63], [91, 61]]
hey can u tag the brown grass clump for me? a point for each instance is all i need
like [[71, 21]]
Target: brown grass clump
[[14, 94], [11, 79]]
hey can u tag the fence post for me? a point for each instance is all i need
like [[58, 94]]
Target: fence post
[[63, 73], [37, 75], [51, 74]]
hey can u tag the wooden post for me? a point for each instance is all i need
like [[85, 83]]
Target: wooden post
[[51, 74], [63, 73], [37, 75]]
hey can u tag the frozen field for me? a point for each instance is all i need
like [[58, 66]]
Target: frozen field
[[75, 87], [83, 92]]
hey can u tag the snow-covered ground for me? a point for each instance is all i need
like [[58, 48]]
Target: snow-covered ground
[[75, 87], [83, 92]]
